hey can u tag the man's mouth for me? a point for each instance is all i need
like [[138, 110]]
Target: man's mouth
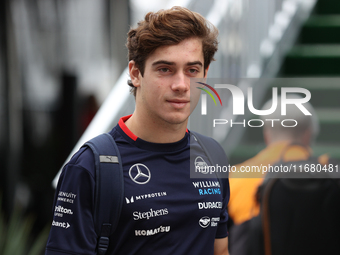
[[178, 103]]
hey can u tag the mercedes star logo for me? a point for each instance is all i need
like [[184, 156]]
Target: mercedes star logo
[[139, 173]]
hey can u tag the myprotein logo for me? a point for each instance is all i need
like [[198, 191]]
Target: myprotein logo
[[132, 199]]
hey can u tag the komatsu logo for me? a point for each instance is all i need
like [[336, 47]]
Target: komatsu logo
[[151, 232]]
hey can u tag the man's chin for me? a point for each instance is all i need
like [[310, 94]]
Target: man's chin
[[177, 119]]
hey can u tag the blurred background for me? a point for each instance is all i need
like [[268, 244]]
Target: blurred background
[[63, 63]]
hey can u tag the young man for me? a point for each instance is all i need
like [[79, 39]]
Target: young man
[[164, 212]]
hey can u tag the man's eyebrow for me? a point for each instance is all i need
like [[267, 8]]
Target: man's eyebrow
[[195, 63], [159, 62]]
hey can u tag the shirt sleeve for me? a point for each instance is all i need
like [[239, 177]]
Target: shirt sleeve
[[222, 230], [72, 230]]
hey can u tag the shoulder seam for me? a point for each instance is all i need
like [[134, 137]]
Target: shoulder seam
[[83, 168]]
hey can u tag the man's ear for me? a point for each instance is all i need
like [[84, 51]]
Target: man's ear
[[134, 73]]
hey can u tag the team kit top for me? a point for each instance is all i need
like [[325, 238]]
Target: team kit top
[[164, 210]]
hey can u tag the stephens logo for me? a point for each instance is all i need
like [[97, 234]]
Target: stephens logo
[[204, 97], [150, 214]]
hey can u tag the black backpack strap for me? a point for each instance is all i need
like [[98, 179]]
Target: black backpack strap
[[215, 154], [109, 188]]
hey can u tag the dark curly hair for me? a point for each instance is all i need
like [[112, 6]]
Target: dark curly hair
[[169, 27]]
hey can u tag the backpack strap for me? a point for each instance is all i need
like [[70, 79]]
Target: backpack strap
[[214, 152], [109, 187]]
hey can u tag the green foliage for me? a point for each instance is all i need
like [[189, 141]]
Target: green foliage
[[16, 235]]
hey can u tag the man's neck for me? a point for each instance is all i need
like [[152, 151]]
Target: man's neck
[[155, 132]]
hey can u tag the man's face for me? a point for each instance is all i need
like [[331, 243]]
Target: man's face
[[163, 93]]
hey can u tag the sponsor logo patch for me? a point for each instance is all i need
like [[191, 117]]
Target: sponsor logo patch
[[67, 197], [59, 211], [151, 232], [140, 173], [65, 225], [204, 221], [201, 165], [150, 214], [209, 205], [136, 198]]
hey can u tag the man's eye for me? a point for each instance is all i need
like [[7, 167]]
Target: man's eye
[[193, 71], [164, 70]]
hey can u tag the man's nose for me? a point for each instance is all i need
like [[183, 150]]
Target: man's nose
[[181, 82]]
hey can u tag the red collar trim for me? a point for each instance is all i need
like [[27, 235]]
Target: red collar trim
[[127, 131]]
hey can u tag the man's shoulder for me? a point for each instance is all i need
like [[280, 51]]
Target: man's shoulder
[[82, 160], [206, 142], [83, 157]]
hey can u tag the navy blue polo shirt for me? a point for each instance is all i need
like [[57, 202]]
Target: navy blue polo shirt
[[164, 210]]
